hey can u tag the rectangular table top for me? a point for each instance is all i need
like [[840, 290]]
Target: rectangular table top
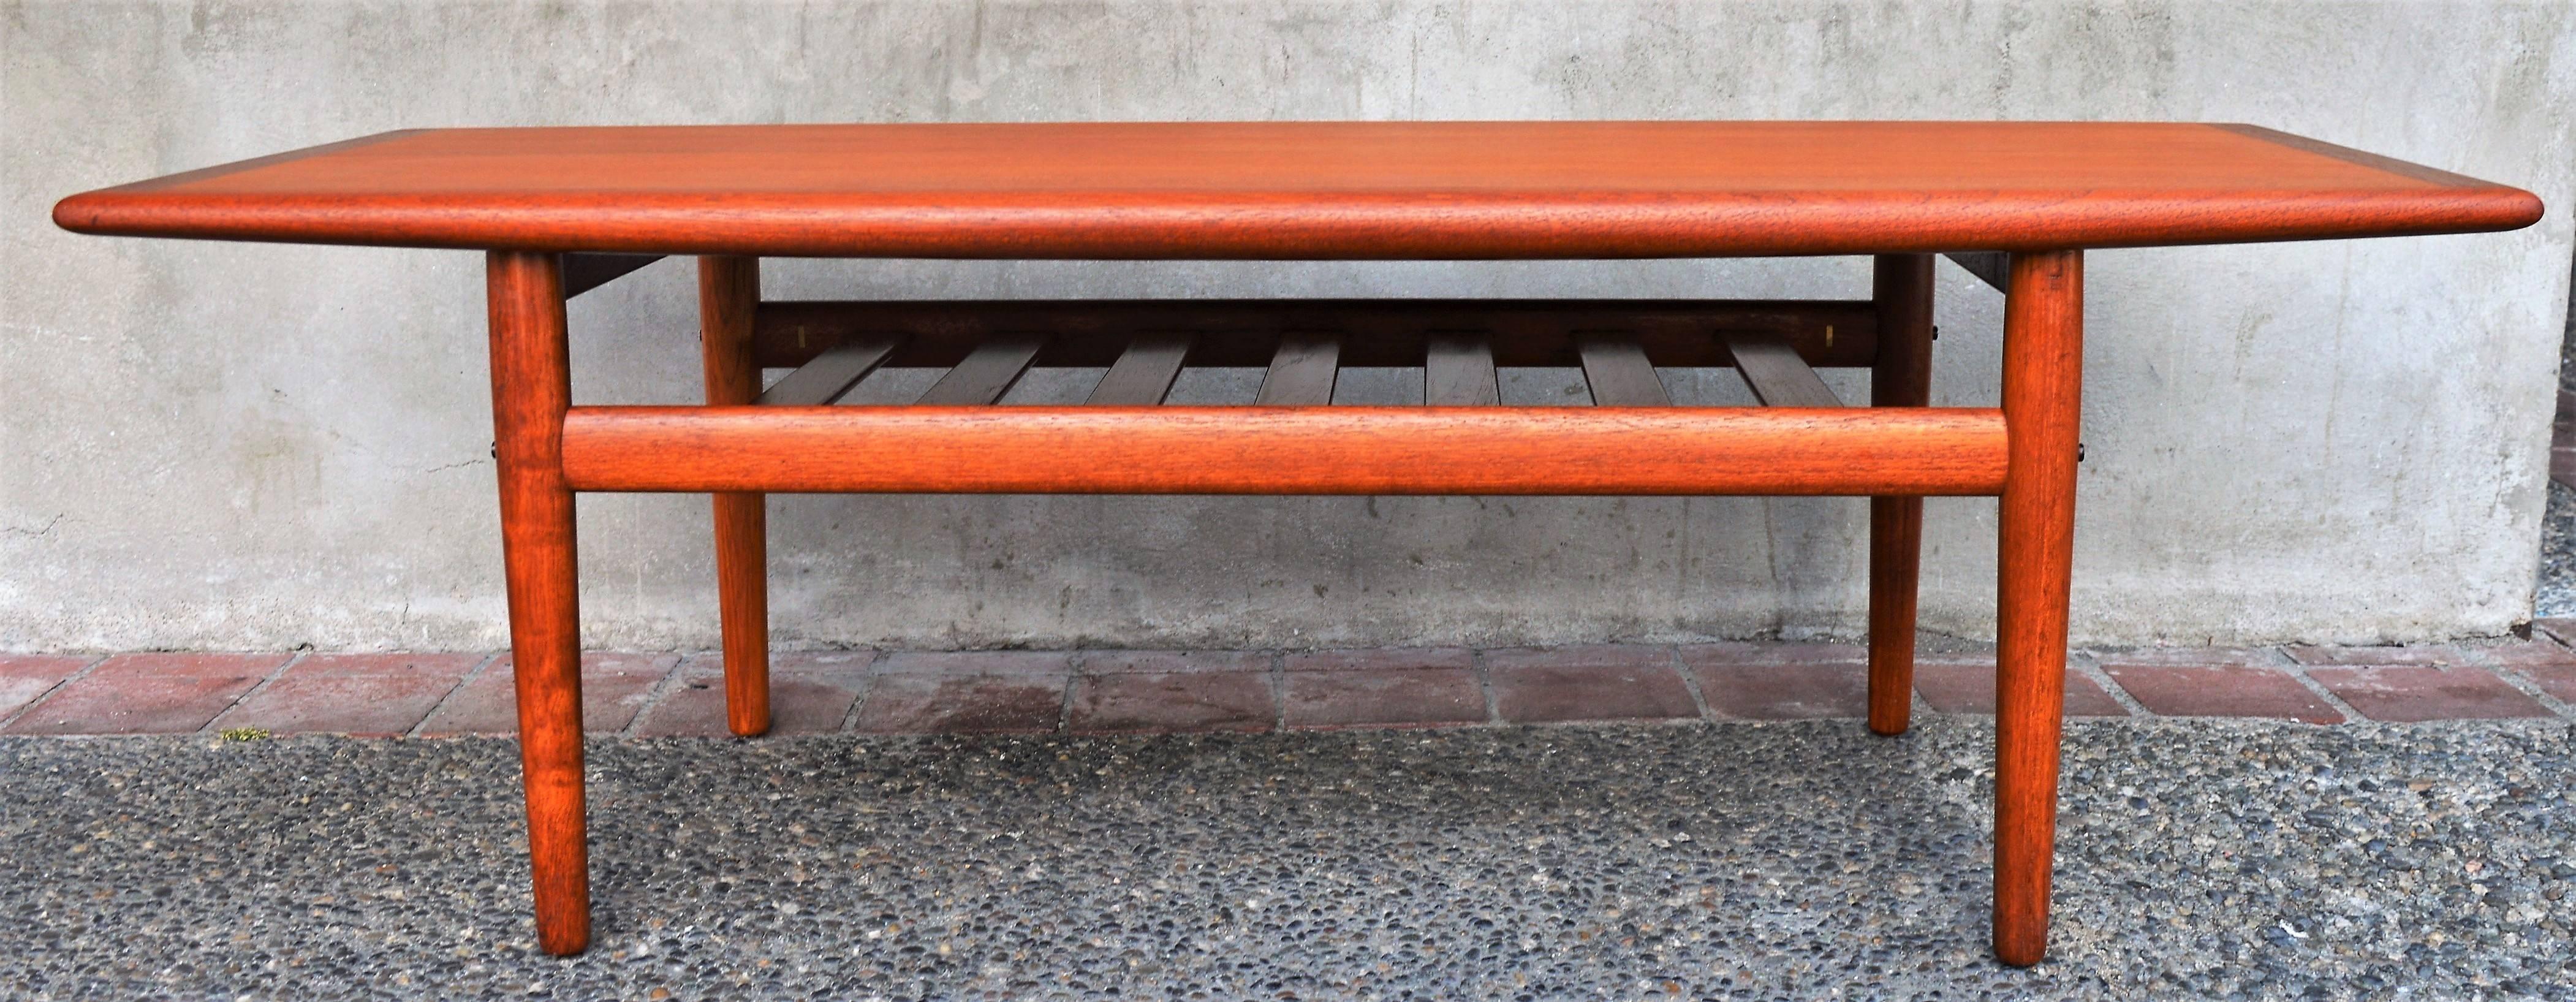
[[1311, 190]]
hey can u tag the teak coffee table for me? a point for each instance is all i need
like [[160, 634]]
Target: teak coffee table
[[561, 210]]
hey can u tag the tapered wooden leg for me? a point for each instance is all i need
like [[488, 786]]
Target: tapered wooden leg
[[1902, 377], [531, 387], [728, 292], [2043, 380]]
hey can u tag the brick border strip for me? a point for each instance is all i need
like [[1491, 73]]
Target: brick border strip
[[1157, 692]]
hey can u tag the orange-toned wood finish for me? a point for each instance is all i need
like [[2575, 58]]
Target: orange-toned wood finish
[[1305, 190], [728, 294], [1285, 450], [2042, 391], [531, 389], [1316, 190], [1902, 287]]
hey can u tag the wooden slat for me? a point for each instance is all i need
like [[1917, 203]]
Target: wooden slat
[[1458, 370], [831, 374], [986, 373], [583, 271], [1989, 266], [1287, 450], [1092, 333], [1302, 371], [1144, 372], [1617, 371], [1779, 378]]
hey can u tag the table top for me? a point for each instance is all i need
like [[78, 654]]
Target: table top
[[1311, 190]]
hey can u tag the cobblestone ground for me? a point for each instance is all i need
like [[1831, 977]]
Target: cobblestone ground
[[2199, 859], [2558, 555], [2558, 534], [2301, 822]]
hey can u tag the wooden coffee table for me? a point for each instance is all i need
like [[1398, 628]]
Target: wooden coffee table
[[561, 210]]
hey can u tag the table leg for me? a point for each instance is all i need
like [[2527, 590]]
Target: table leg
[[531, 388], [1901, 377], [728, 293], [2042, 387]]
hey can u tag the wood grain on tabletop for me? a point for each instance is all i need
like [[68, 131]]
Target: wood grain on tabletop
[[1311, 190]]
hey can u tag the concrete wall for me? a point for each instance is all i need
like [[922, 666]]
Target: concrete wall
[[212, 446]]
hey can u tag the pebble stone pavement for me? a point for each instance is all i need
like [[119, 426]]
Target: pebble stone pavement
[[1755, 860], [2557, 593]]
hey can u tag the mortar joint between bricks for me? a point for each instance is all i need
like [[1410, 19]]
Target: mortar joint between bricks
[[68, 678], [1075, 662], [300, 654], [1690, 681], [2524, 684], [490, 658], [2090, 666], [867, 686], [1484, 676], [2300, 672], [672, 678], [2484, 656], [1278, 691]]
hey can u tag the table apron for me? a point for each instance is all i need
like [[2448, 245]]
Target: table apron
[[1288, 450]]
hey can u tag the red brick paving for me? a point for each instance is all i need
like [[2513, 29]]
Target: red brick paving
[[164, 664], [2410, 694], [148, 694], [2562, 630], [448, 666], [1380, 659], [359, 694], [1967, 685], [976, 663], [24, 677], [2559, 681], [1780, 681], [1381, 687], [1773, 654], [2188, 656], [1783, 692], [359, 705], [2426, 655], [1594, 682], [2539, 653], [1792, 691], [614, 688], [1160, 691], [925, 703], [1172, 702], [2221, 691], [1172, 662], [809, 693], [1383, 697]]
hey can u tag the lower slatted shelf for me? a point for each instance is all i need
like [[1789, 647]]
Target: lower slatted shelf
[[984, 359]]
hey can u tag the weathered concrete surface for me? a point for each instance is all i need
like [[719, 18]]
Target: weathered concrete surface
[[237, 446]]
